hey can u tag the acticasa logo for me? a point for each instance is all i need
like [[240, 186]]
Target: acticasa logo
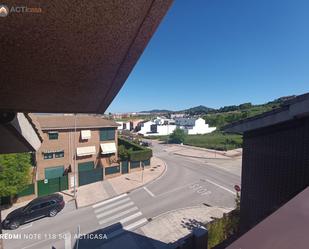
[[4, 10]]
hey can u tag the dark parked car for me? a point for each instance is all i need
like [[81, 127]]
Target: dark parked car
[[40, 207]]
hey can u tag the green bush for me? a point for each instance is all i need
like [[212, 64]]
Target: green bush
[[133, 151], [222, 229], [14, 173], [178, 136]]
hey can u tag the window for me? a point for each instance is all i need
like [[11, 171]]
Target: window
[[35, 207], [48, 155], [86, 134], [59, 154], [107, 134], [53, 135], [45, 204]]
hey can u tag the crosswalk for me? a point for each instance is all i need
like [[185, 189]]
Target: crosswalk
[[121, 210]]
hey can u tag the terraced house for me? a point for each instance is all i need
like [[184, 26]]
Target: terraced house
[[90, 141]]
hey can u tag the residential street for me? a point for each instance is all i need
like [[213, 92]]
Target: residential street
[[187, 182]]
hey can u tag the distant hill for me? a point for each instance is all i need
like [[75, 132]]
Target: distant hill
[[156, 111], [228, 114], [197, 110]]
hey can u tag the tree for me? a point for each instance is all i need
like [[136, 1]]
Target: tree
[[178, 136], [14, 173], [123, 152]]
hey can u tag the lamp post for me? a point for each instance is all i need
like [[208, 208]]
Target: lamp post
[[143, 166]]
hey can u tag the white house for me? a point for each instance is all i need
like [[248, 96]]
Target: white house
[[193, 126], [161, 130], [145, 127], [157, 127], [124, 125]]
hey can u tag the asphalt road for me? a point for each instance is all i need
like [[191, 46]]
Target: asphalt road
[[186, 182]]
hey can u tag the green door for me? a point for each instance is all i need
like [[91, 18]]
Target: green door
[[49, 186], [88, 174], [125, 167], [53, 172], [85, 166]]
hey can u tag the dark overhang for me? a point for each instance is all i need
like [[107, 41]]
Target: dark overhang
[[21, 134], [73, 56], [298, 107], [285, 229]]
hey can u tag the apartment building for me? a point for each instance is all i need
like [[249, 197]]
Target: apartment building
[[90, 140]]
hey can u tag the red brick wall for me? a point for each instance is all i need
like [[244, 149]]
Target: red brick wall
[[65, 142]]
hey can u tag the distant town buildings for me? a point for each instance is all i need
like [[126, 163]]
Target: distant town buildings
[[161, 126], [194, 126]]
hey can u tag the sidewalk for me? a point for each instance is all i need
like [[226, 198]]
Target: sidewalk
[[167, 230], [178, 224], [191, 151], [99, 191]]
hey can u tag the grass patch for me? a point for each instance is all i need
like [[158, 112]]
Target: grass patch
[[215, 140], [220, 230]]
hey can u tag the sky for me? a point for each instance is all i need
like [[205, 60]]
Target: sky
[[221, 52]]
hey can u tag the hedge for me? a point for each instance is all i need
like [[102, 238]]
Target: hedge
[[135, 151]]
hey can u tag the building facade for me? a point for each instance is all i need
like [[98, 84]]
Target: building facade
[[72, 146], [275, 165], [194, 126]]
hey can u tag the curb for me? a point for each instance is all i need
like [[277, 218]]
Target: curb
[[201, 157], [127, 192], [179, 209]]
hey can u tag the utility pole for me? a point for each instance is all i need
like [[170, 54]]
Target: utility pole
[[143, 166], [74, 151]]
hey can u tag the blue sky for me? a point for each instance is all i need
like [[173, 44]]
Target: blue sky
[[221, 52]]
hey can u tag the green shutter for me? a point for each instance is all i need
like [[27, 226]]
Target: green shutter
[[85, 166], [135, 164], [112, 170], [107, 134], [111, 134], [54, 172]]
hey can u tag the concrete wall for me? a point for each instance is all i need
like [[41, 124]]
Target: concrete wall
[[275, 168]]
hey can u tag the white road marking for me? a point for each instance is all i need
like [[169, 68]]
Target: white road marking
[[109, 200], [111, 205], [114, 210], [25, 227], [149, 192], [131, 217], [136, 224], [101, 222], [67, 242], [226, 189]]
